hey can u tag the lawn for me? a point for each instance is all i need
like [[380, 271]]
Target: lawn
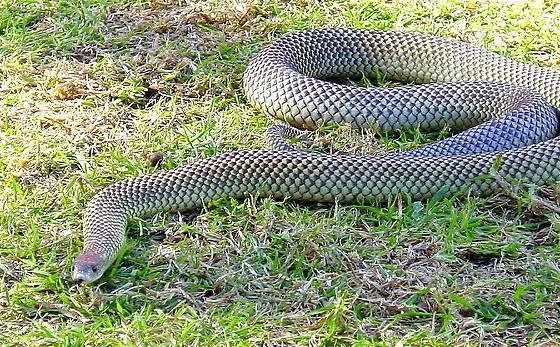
[[89, 90]]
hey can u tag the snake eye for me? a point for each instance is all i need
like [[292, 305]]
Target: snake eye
[[94, 269]]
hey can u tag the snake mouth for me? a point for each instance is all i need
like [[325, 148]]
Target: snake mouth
[[89, 267]]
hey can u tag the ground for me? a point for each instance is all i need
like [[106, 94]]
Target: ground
[[89, 89]]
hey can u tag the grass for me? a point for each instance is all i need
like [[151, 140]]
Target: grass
[[88, 89]]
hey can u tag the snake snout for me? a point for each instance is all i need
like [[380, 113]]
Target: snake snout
[[89, 267]]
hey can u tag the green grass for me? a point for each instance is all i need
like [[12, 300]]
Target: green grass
[[89, 88]]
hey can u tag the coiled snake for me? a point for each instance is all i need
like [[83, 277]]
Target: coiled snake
[[287, 81]]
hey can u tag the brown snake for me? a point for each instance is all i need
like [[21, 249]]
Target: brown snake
[[510, 102]]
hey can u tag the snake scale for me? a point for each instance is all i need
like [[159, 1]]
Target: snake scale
[[508, 111]]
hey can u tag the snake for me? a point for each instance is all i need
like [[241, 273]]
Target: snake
[[504, 114]]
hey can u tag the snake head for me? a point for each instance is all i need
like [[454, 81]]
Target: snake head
[[89, 267]]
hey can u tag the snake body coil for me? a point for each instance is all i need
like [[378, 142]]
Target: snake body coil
[[286, 81]]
